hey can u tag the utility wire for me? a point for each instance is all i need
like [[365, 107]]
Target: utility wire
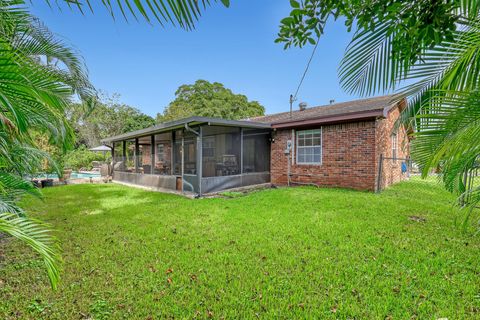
[[306, 70]]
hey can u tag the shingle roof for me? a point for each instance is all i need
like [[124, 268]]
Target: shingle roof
[[343, 108]]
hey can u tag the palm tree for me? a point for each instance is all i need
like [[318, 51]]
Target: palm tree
[[428, 52], [443, 92], [39, 75]]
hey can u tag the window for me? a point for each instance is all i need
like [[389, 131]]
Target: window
[[394, 146], [309, 146]]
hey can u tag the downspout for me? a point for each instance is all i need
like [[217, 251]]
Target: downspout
[[187, 127], [290, 157]]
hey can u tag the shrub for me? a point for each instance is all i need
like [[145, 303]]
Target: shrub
[[82, 158]]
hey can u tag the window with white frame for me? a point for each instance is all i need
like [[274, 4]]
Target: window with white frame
[[394, 145], [309, 146]]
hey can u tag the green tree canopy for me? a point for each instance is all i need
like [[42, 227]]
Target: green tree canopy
[[209, 100], [109, 118]]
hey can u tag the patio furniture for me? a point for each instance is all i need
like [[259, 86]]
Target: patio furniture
[[47, 183], [228, 166], [162, 168]]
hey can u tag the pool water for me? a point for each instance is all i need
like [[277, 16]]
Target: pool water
[[84, 175], [74, 175]]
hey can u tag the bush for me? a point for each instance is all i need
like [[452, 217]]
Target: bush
[[82, 158]]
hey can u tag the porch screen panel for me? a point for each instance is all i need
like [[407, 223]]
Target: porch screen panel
[[144, 159], [256, 151], [190, 154], [163, 154], [221, 149], [177, 156], [118, 147], [129, 161], [190, 157], [119, 161]]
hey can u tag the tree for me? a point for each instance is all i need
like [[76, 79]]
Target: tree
[[109, 118], [209, 100], [429, 52], [38, 76]]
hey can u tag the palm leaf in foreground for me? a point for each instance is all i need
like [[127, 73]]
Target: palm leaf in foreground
[[38, 77], [183, 12], [37, 236]]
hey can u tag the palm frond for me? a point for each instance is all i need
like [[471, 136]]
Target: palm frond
[[366, 67], [37, 236], [182, 12], [447, 134]]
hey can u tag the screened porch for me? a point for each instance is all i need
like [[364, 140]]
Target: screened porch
[[197, 155]]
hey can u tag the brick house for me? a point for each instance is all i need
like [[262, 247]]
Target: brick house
[[338, 145]]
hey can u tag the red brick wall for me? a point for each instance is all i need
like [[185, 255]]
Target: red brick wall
[[391, 169], [348, 158], [351, 153], [167, 151]]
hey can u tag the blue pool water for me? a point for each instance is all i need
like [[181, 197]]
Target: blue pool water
[[74, 175]]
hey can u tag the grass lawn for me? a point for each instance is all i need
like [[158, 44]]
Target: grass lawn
[[279, 253]]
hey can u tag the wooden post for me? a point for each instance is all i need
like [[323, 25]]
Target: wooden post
[[152, 155], [124, 150]]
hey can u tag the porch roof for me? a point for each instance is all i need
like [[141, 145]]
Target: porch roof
[[191, 121]]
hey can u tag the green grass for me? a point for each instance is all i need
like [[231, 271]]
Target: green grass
[[278, 253]]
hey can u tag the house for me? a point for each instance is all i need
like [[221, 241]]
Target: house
[[350, 145]]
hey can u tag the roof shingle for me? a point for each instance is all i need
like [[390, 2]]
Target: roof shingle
[[343, 108]]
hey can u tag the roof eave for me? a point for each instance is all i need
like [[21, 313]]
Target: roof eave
[[353, 116], [178, 124]]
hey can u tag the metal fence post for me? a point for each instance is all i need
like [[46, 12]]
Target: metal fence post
[[379, 176]]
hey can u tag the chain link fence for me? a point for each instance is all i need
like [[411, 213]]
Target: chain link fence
[[392, 170]]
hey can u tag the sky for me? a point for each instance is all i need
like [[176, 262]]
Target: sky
[[145, 63]]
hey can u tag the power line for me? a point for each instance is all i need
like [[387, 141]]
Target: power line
[[294, 97], [306, 70]]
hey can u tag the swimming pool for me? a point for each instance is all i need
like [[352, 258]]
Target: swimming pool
[[74, 175]]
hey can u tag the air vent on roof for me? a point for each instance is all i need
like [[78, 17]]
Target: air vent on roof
[[332, 101], [302, 106]]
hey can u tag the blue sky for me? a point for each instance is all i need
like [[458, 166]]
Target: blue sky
[[146, 63]]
